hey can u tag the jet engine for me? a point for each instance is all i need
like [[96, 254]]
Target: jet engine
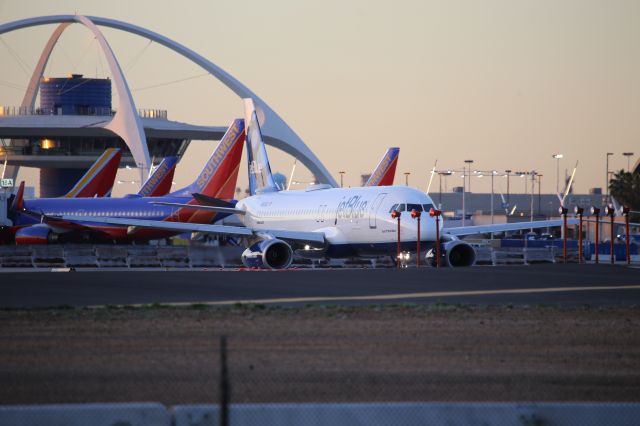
[[454, 253], [271, 253], [36, 234]]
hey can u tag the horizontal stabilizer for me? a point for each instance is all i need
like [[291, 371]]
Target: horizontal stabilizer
[[211, 201]]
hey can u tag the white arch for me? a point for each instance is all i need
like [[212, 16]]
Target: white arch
[[275, 131], [31, 94]]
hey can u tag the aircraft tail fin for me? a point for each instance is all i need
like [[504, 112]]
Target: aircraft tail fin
[[385, 171], [220, 174], [98, 180], [18, 202], [159, 183], [260, 177]]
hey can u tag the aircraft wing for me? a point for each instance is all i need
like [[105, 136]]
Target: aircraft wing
[[299, 236], [501, 227]]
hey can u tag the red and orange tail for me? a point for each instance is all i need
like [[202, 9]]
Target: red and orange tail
[[159, 183], [99, 179], [385, 172], [219, 177], [18, 202]]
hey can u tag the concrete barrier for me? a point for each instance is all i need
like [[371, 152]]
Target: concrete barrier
[[383, 414], [408, 414], [125, 414]]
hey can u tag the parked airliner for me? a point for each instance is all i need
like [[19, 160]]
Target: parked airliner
[[217, 180], [323, 221]]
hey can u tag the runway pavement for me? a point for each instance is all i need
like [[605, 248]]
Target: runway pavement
[[548, 284]]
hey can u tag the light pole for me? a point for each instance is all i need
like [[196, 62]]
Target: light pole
[[557, 157], [533, 183], [539, 194], [579, 211], [508, 173], [464, 210], [628, 155], [595, 211], [606, 181], [611, 212], [406, 178], [341, 176], [440, 174], [493, 174], [396, 215], [416, 215], [563, 213], [436, 213]]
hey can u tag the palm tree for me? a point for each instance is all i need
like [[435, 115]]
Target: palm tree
[[625, 188]]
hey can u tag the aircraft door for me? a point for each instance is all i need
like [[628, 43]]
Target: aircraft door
[[374, 209]]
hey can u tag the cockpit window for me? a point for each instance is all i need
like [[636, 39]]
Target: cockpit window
[[427, 207], [416, 207], [393, 207]]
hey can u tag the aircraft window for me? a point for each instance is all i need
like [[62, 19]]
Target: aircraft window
[[427, 207], [416, 207], [393, 207]]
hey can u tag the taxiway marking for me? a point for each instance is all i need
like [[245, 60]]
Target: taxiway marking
[[421, 295]]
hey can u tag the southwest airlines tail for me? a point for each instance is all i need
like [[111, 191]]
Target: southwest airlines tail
[[159, 183], [260, 178], [386, 170], [220, 174], [98, 181]]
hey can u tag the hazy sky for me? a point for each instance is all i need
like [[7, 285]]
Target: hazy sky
[[506, 83]]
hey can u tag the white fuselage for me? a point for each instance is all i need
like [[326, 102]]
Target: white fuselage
[[347, 216]]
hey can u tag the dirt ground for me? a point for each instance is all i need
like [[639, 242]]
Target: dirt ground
[[321, 354]]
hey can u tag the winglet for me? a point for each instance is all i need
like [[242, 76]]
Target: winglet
[[18, 202], [260, 177], [159, 183], [385, 171], [98, 180]]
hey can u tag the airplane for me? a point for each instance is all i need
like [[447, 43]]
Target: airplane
[[323, 221], [217, 181], [96, 182], [385, 171]]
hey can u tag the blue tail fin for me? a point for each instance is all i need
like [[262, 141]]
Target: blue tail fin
[[260, 177]]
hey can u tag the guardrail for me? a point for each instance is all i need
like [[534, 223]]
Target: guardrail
[[198, 256], [110, 256]]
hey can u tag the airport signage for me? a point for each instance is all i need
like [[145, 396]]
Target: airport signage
[[6, 183]]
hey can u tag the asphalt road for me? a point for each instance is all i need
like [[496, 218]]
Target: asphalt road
[[529, 285]]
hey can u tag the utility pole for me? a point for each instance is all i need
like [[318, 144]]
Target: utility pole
[[606, 184]]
